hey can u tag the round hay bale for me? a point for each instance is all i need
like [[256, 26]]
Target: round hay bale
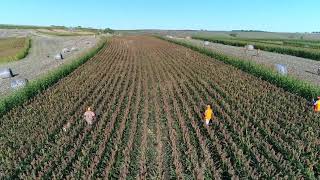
[[206, 43], [58, 57], [65, 50], [282, 69], [74, 49], [18, 83], [249, 47], [6, 73]]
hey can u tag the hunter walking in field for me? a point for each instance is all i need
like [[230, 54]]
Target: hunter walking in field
[[208, 115], [316, 105], [89, 116]]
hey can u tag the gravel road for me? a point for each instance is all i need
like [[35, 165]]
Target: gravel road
[[40, 59], [301, 68]]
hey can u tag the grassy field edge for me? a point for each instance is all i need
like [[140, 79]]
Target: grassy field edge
[[294, 51], [36, 86], [19, 55], [290, 84], [25, 51], [65, 34]]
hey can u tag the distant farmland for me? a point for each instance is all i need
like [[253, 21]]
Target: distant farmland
[[65, 32], [300, 48], [13, 48]]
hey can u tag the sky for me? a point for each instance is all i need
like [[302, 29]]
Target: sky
[[268, 15]]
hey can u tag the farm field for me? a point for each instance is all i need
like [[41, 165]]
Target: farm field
[[229, 34], [308, 44], [149, 96], [64, 32], [300, 68], [13, 48], [291, 43], [299, 48], [40, 58], [15, 33]]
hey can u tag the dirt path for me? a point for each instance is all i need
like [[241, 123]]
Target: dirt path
[[301, 68], [40, 59]]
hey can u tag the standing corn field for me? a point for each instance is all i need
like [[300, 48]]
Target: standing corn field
[[150, 97]]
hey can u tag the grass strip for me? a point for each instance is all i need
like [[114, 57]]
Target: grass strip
[[53, 33], [309, 53]]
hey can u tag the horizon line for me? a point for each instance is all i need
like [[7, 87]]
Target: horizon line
[[162, 29]]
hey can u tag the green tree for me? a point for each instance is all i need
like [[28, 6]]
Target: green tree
[[108, 30]]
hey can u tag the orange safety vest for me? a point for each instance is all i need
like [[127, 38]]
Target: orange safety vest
[[317, 106], [208, 114]]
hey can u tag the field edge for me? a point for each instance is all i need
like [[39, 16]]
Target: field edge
[[42, 83], [293, 51], [54, 33], [20, 54]]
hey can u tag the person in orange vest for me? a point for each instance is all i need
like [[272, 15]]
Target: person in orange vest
[[208, 115], [316, 105], [89, 116]]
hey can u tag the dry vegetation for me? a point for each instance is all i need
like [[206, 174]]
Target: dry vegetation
[[13, 48], [65, 32]]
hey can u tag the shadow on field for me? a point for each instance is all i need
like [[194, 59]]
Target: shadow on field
[[314, 73]]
